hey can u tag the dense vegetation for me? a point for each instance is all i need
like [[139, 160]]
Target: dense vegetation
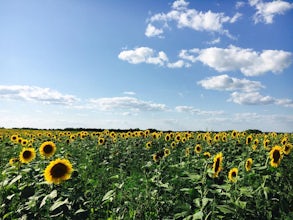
[[145, 174]]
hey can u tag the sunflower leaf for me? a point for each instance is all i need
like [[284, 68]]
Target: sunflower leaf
[[15, 179], [58, 203]]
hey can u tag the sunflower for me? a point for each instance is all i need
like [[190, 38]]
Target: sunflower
[[167, 137], [234, 134], [173, 144], [101, 141], [207, 154], [148, 145], [276, 155], [248, 139], [47, 149], [266, 144], [233, 174], [13, 161], [58, 171], [14, 138], [27, 155], [248, 164], [287, 148], [24, 142], [197, 149], [217, 166], [166, 152]]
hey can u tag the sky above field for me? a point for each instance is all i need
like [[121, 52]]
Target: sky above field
[[168, 65]]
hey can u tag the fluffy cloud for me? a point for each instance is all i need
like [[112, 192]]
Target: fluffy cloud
[[189, 18], [192, 110], [125, 103], [143, 55], [226, 83], [255, 98], [247, 61], [265, 12], [37, 94]]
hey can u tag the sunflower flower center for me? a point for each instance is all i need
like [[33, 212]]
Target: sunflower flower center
[[217, 165], [276, 156], [26, 154], [59, 170], [48, 149]]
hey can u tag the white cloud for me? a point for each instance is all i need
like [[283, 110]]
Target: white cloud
[[152, 31], [247, 61], [129, 93], [266, 11], [143, 55], [192, 110], [226, 83], [36, 94], [178, 64], [125, 103], [189, 18], [255, 98], [239, 4], [215, 41]]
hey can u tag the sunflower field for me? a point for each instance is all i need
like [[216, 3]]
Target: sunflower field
[[59, 174]]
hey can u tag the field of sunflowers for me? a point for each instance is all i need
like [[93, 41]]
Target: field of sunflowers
[[59, 174]]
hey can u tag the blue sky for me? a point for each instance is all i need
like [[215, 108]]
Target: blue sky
[[169, 65]]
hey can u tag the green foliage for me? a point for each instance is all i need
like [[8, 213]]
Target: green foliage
[[121, 178]]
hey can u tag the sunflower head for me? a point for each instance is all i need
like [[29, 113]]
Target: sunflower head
[[207, 154], [101, 141], [276, 155], [58, 171], [233, 174], [166, 152], [27, 155], [14, 161], [197, 149], [47, 149], [217, 166], [148, 145], [287, 148], [248, 164]]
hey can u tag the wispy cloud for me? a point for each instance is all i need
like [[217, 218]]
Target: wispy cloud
[[266, 11], [125, 103], [185, 17], [192, 110], [247, 61], [255, 98], [35, 94], [227, 83]]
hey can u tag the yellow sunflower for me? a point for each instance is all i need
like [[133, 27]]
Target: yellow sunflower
[[248, 139], [14, 138], [27, 155], [207, 154], [47, 149], [248, 164], [58, 171], [276, 155], [167, 137], [148, 145], [233, 174], [287, 148], [14, 161], [101, 141], [197, 149], [166, 152], [173, 144], [217, 166]]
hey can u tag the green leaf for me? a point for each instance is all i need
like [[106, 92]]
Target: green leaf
[[109, 195], [53, 194], [198, 215], [58, 203], [15, 179], [225, 209], [79, 211]]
